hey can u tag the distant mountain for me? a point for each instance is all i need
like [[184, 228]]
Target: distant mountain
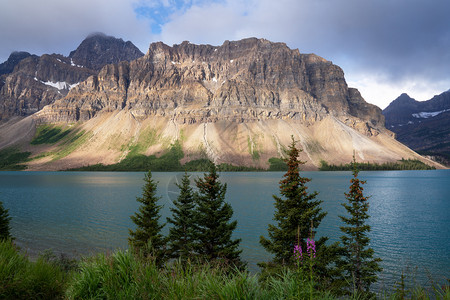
[[15, 57], [31, 82], [424, 126], [98, 50]]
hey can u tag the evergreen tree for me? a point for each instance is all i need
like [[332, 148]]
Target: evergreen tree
[[181, 234], [147, 237], [4, 223], [212, 222], [297, 212], [357, 263]]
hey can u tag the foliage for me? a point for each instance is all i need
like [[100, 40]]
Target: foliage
[[277, 164], [213, 225], [5, 229], [181, 234], [403, 164], [11, 159], [49, 134], [357, 263], [22, 279], [125, 276], [197, 165], [169, 161], [147, 237], [296, 214]]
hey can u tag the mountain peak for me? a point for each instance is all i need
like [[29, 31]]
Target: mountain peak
[[99, 49], [15, 57]]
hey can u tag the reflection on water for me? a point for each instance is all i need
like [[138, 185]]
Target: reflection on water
[[79, 213]]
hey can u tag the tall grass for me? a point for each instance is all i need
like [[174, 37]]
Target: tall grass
[[126, 275], [22, 279]]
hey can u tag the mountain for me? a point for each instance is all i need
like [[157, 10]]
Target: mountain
[[15, 57], [37, 81], [424, 126], [238, 103], [98, 50]]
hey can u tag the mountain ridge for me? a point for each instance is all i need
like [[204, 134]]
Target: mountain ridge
[[238, 103], [36, 81], [422, 125]]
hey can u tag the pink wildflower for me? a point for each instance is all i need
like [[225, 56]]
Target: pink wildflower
[[311, 247], [298, 253]]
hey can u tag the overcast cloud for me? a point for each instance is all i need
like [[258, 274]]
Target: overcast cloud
[[385, 47]]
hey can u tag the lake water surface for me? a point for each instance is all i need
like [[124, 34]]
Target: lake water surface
[[80, 213]]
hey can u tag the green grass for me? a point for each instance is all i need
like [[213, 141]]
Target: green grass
[[169, 161], [403, 164], [127, 275], [22, 279], [277, 164], [49, 134], [71, 143], [11, 159]]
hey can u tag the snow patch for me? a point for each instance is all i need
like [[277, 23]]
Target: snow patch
[[74, 65], [426, 115], [60, 85]]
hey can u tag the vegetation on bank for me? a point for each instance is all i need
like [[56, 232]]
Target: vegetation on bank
[[403, 164], [170, 162], [12, 159]]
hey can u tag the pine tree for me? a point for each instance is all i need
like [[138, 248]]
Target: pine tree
[[212, 222], [296, 213], [358, 265], [4, 223], [181, 234], [147, 237]]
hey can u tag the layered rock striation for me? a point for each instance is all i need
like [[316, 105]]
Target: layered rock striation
[[241, 81], [31, 82]]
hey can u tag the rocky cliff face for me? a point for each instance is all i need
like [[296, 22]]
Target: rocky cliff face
[[242, 81], [423, 126], [237, 103], [39, 81]]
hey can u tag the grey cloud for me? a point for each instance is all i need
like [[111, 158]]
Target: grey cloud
[[59, 26], [398, 41]]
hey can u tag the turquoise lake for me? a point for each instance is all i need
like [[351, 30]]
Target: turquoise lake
[[80, 213]]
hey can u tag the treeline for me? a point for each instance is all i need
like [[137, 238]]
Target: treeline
[[403, 164], [170, 162]]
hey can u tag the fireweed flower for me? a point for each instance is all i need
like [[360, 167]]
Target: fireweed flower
[[311, 247], [298, 253]]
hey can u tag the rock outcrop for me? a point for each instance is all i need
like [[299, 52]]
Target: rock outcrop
[[242, 81], [38, 81]]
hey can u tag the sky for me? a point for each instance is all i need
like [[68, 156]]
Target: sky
[[385, 47]]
